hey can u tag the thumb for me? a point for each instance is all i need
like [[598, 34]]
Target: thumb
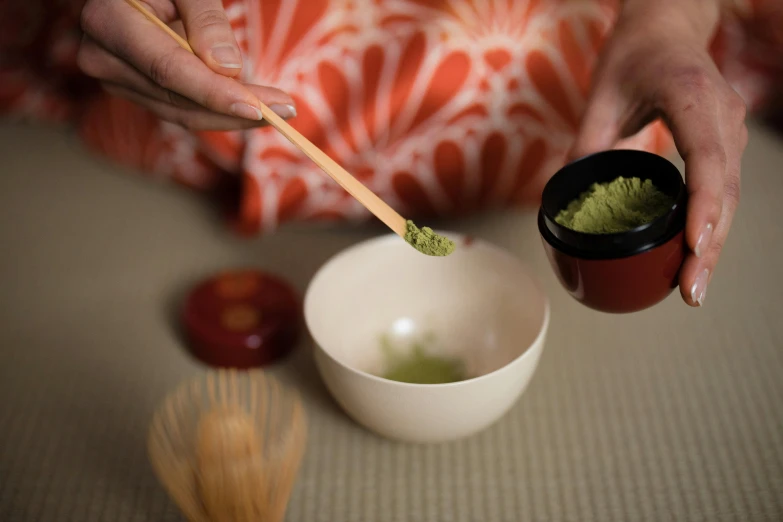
[[209, 33], [600, 126]]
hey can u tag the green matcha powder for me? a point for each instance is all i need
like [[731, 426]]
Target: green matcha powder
[[426, 241], [418, 367], [617, 206]]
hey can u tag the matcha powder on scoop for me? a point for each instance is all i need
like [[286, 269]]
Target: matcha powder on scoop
[[426, 241]]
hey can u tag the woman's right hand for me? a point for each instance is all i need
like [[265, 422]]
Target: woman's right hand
[[137, 60]]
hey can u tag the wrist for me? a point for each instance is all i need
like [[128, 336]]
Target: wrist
[[693, 20]]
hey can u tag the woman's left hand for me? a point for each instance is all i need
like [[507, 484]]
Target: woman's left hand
[[656, 64]]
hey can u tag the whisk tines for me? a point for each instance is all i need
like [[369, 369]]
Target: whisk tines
[[228, 446]]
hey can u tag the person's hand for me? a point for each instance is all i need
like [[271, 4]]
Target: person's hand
[[137, 60], [656, 64]]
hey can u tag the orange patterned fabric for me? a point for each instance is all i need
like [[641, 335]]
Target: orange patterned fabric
[[440, 106]]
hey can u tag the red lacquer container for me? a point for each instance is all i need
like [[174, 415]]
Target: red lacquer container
[[242, 319], [623, 272]]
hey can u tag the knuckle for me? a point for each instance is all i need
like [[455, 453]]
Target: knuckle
[[170, 98], [177, 117], [693, 78], [112, 89], [212, 97], [161, 70], [737, 107], [732, 190], [90, 18], [714, 152], [179, 101], [175, 99], [186, 120], [743, 136], [192, 121], [716, 246], [687, 88], [210, 18], [86, 61]]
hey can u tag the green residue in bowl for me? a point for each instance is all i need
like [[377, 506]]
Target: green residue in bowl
[[426, 241], [617, 206], [418, 367]]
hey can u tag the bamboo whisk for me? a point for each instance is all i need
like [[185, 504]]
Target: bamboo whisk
[[227, 447]]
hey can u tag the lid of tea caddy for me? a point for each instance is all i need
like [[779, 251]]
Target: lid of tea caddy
[[242, 319]]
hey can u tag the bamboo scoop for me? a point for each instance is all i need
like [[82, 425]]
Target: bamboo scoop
[[227, 447], [422, 240]]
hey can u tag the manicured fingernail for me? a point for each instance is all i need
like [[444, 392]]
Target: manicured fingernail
[[227, 55], [699, 288], [243, 110], [284, 111], [704, 240]]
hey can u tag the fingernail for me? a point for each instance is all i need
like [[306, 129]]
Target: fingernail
[[284, 111], [243, 110], [704, 240], [227, 55], [699, 288]]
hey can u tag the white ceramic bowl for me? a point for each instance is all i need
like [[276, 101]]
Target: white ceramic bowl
[[479, 304]]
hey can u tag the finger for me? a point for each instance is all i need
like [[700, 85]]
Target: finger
[[693, 281], [600, 126], [700, 264], [193, 119], [165, 10], [98, 63], [697, 271], [209, 33], [159, 57], [691, 110]]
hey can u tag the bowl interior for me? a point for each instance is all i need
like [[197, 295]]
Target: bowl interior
[[478, 305]]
